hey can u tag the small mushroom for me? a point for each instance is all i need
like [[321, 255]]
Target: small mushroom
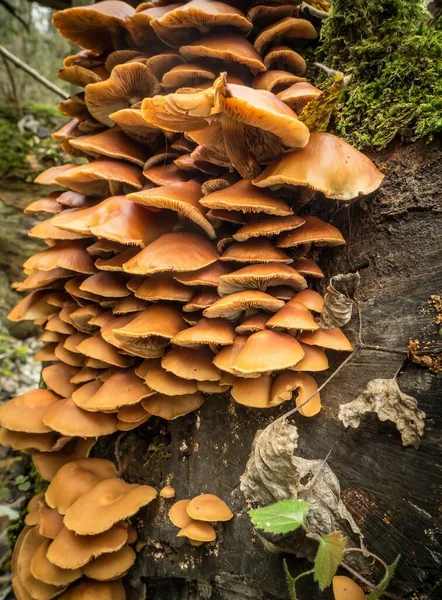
[[208, 507], [314, 359], [345, 588], [315, 231], [172, 407], [198, 533], [332, 338], [232, 306], [268, 351], [292, 317], [110, 565], [253, 392], [286, 383], [167, 492], [189, 363], [255, 250], [298, 95]]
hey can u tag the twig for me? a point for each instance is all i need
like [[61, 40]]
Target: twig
[[368, 583], [383, 349], [33, 73], [363, 551], [324, 462], [117, 453]]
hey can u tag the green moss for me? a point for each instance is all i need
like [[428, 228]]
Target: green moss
[[393, 50], [15, 148]]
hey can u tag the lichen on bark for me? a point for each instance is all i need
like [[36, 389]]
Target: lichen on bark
[[393, 50]]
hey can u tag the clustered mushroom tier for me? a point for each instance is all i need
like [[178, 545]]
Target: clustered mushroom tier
[[177, 263]]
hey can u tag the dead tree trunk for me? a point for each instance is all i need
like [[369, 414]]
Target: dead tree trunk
[[394, 241]]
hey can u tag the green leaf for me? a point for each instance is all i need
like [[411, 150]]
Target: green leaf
[[328, 558], [281, 517], [389, 574], [4, 493]]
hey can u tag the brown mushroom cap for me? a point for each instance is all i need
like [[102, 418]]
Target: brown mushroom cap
[[292, 317], [158, 324], [228, 47], [232, 306], [189, 363], [74, 479], [98, 590], [252, 324], [218, 332], [261, 277], [117, 262], [30, 442], [47, 204], [68, 255], [253, 392], [167, 383], [40, 279], [103, 177], [298, 95], [123, 388], [109, 502], [345, 588], [267, 226], [49, 463], [46, 230], [226, 357], [311, 300], [57, 378], [43, 570], [167, 492], [95, 27], [131, 413], [243, 196], [129, 305], [181, 197], [128, 84], [275, 79], [68, 419], [161, 286], [172, 407], [201, 300], [207, 276], [168, 174], [268, 351], [187, 74], [176, 252], [108, 285], [255, 250], [286, 383], [198, 532], [270, 12], [96, 347], [283, 57], [332, 338], [110, 566], [315, 231], [287, 27], [48, 177], [25, 413], [208, 507], [133, 123], [32, 306], [178, 514], [72, 551], [314, 359], [307, 266], [112, 143], [328, 165], [50, 522]]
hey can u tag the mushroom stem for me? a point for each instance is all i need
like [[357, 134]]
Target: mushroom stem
[[235, 142]]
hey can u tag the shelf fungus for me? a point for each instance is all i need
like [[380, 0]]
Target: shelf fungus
[[180, 262]]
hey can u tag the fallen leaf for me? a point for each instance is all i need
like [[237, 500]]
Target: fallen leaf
[[338, 301]]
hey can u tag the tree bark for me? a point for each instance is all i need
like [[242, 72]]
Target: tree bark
[[394, 240]]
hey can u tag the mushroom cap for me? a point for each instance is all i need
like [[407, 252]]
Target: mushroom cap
[[253, 392], [327, 164], [103, 177], [128, 84], [267, 226], [131, 413], [46, 204], [32, 306], [49, 463], [133, 123], [172, 407], [57, 378], [243, 196], [110, 566], [167, 492], [123, 388], [315, 231], [30, 442], [43, 570], [286, 383], [33, 405], [200, 300], [46, 230], [178, 514], [100, 349], [310, 299], [110, 501], [253, 324], [129, 305], [315, 359], [198, 532], [345, 588], [208, 507], [207, 276], [275, 79], [299, 94], [159, 320], [24, 582], [287, 27], [40, 279], [283, 57], [68, 419], [86, 589], [255, 250], [70, 255], [268, 351], [92, 26], [108, 285], [168, 174], [176, 252], [232, 306], [260, 276], [332, 338], [82, 76], [161, 286], [219, 332], [48, 177], [117, 262], [180, 197], [71, 551], [307, 266], [226, 357], [270, 12], [228, 47], [113, 143], [50, 522], [292, 317], [186, 74], [189, 363], [74, 479], [167, 383]]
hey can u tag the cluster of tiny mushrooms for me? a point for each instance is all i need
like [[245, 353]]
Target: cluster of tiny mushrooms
[[177, 264]]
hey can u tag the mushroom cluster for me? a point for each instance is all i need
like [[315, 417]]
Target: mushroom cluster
[[194, 516], [77, 541], [178, 260]]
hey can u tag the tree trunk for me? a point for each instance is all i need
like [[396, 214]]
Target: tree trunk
[[394, 240]]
